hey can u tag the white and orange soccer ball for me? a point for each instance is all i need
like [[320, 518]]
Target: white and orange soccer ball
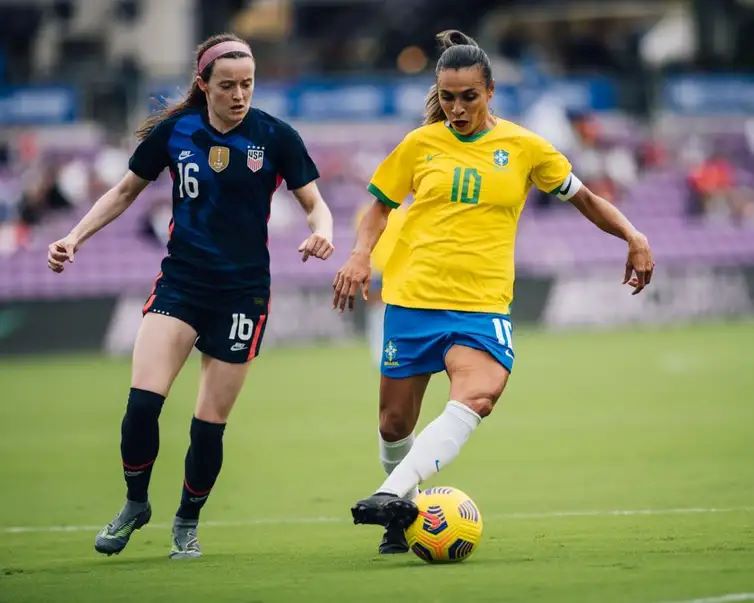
[[448, 527]]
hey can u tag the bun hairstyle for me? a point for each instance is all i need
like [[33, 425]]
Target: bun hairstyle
[[453, 37], [195, 97], [458, 51]]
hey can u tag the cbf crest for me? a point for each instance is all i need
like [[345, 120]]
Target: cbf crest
[[500, 157], [391, 353], [255, 158]]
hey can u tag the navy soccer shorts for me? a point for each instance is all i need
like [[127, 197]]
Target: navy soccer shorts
[[231, 331], [416, 341]]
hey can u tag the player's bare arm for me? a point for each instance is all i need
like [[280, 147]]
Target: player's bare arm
[[357, 269], [639, 263], [318, 216], [108, 207]]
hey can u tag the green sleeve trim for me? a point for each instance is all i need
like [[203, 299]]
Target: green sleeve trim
[[559, 190], [382, 196]]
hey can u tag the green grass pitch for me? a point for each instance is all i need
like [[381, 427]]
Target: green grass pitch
[[618, 467]]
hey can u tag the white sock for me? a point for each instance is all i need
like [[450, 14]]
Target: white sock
[[392, 453], [435, 447]]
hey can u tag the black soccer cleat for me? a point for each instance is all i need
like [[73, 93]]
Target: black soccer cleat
[[383, 508], [393, 540]]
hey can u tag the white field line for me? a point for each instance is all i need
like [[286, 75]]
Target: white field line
[[318, 520], [721, 599]]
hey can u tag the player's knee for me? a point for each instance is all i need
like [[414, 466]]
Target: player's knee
[[482, 405], [211, 414], [495, 391], [144, 403], [483, 396], [394, 426], [479, 395]]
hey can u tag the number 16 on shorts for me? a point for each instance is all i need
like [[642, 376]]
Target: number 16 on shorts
[[246, 333], [242, 327]]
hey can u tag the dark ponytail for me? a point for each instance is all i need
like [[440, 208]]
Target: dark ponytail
[[194, 97], [459, 51]]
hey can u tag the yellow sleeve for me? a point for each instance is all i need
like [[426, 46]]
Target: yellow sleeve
[[389, 239], [393, 179], [550, 167]]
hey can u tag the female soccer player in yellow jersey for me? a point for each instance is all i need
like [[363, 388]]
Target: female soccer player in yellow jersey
[[448, 283]]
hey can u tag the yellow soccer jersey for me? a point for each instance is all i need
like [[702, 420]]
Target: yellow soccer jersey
[[389, 237], [455, 248]]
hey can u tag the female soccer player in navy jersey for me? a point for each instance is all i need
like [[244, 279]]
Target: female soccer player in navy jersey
[[226, 161]]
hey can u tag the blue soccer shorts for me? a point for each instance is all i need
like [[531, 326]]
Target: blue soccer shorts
[[231, 331], [415, 341]]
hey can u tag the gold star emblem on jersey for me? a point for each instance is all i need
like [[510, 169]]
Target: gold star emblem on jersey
[[219, 158]]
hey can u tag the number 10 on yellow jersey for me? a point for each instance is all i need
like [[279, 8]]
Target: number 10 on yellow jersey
[[469, 175]]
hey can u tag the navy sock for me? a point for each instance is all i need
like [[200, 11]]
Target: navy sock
[[140, 440], [203, 462]]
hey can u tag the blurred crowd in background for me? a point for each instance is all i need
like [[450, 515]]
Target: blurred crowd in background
[[659, 131]]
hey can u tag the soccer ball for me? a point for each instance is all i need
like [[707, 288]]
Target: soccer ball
[[448, 527]]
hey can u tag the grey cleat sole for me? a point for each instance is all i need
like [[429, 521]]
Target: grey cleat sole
[[184, 554]]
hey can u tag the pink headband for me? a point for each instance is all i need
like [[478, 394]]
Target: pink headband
[[216, 51]]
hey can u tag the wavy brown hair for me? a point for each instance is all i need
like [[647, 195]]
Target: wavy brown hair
[[195, 97], [459, 51]]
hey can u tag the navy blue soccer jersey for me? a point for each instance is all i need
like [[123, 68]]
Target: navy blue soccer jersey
[[222, 189]]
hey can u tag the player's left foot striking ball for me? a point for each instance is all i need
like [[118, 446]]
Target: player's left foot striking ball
[[393, 540], [113, 538], [185, 543], [383, 508]]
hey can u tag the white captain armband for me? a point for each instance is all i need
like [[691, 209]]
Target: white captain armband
[[568, 189]]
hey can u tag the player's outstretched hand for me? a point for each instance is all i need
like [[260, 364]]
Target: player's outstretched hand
[[639, 264], [354, 273], [317, 246], [60, 252]]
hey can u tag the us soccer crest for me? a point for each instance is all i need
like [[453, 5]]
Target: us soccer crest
[[255, 158], [500, 158], [219, 158]]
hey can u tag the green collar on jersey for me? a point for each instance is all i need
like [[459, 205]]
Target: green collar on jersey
[[470, 137]]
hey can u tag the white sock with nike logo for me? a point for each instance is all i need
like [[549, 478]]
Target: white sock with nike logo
[[436, 446]]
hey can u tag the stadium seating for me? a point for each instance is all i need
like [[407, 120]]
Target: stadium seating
[[123, 259]]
